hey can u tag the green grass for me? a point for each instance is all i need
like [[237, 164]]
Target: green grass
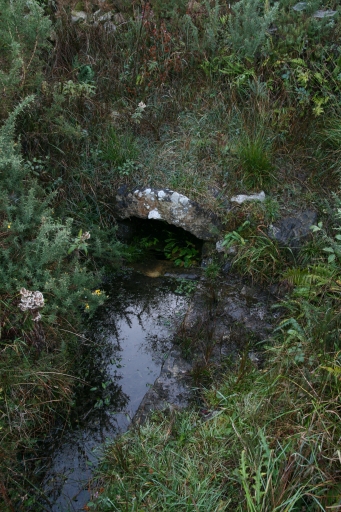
[[263, 441], [255, 160]]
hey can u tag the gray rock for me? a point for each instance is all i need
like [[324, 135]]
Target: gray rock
[[125, 231], [78, 16], [291, 230], [301, 6], [101, 17], [221, 248], [226, 267], [324, 14], [169, 206], [109, 26]]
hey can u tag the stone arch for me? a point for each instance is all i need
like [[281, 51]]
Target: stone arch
[[169, 206]]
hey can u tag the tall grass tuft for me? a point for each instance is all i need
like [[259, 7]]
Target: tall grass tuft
[[254, 155]]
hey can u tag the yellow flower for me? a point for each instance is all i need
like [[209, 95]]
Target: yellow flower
[[87, 306], [9, 226], [97, 292]]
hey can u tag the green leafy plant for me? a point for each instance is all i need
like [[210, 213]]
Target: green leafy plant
[[184, 254], [235, 237], [80, 243], [185, 287], [334, 243], [212, 270]]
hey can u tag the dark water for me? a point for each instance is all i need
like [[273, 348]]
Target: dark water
[[133, 337]]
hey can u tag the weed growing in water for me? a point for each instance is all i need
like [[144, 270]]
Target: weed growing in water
[[212, 271], [185, 287]]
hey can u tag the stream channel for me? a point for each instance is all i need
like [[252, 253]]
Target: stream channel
[[134, 364], [133, 339]]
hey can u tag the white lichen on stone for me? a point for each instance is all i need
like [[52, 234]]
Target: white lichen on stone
[[184, 200], [154, 214], [161, 194], [175, 197]]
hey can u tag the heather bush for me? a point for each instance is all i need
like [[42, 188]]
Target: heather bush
[[45, 289], [35, 245], [248, 26], [24, 32]]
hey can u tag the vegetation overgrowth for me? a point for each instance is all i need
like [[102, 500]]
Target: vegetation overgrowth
[[211, 99]]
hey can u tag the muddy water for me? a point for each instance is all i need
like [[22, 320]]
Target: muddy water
[[133, 339]]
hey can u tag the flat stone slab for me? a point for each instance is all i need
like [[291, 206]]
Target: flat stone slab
[[171, 388], [291, 230]]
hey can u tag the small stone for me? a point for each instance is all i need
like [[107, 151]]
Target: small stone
[[301, 6], [219, 246], [241, 198], [106, 17], [227, 267], [324, 14], [78, 16], [109, 27], [291, 230]]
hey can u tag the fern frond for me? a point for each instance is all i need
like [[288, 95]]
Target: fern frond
[[317, 275], [292, 323]]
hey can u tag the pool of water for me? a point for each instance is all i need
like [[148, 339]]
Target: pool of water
[[131, 338]]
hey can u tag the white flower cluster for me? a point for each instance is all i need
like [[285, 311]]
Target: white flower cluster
[[85, 236], [31, 301]]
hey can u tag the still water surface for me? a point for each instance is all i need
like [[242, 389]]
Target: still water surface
[[133, 337]]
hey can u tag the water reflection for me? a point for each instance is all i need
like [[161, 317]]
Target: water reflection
[[133, 336]]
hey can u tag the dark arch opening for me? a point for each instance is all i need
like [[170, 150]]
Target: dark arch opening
[[156, 235]]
